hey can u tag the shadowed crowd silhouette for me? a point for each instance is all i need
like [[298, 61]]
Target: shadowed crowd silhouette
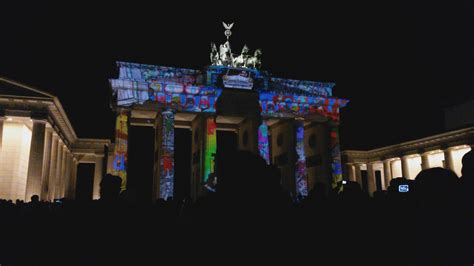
[[251, 219]]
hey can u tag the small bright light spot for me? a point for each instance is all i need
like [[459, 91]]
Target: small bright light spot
[[9, 119]]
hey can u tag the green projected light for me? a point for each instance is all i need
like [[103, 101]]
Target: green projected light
[[211, 147]]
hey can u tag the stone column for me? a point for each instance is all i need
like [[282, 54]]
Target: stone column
[[336, 155], [351, 175], [59, 162], [53, 166], [448, 159], [167, 156], [62, 180], [46, 164], [301, 176], [157, 157], [210, 149], [120, 156], [2, 119], [67, 175], [358, 174], [248, 135], [371, 178], [387, 172], [263, 145], [425, 162], [35, 163], [73, 178], [198, 127], [405, 167], [97, 178]]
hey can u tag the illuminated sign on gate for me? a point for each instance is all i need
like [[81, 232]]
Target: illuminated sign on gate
[[238, 79]]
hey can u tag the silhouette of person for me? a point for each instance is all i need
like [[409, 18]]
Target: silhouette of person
[[110, 187], [438, 219], [35, 199]]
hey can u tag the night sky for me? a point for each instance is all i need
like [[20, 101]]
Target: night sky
[[400, 64]]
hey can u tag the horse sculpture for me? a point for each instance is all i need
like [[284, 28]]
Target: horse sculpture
[[224, 57], [242, 59], [256, 60]]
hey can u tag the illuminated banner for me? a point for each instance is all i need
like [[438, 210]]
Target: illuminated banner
[[120, 148]]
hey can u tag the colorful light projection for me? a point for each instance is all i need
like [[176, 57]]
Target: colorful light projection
[[300, 173], [211, 148], [281, 105], [184, 98], [244, 78], [336, 159], [303, 86], [263, 141], [167, 156], [121, 148], [181, 97]]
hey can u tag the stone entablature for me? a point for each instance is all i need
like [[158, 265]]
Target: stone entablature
[[441, 141]]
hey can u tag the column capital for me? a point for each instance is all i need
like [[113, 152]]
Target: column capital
[[448, 149], [425, 153], [39, 115], [39, 121]]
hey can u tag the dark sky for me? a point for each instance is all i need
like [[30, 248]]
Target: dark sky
[[399, 63]]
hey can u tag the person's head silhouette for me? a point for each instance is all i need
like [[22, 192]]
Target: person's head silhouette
[[435, 186], [110, 187], [34, 198]]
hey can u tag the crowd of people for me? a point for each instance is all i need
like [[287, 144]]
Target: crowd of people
[[251, 219]]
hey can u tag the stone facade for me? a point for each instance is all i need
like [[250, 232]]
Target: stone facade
[[374, 169], [39, 150]]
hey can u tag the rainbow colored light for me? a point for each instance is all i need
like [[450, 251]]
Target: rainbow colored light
[[210, 149]]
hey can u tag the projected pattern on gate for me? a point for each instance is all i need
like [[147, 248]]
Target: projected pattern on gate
[[173, 90]]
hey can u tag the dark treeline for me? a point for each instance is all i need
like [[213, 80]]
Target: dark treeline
[[251, 220]]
